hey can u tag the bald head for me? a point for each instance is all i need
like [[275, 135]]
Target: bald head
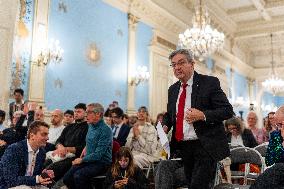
[[56, 117]]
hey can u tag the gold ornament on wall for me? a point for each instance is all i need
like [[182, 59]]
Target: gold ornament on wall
[[93, 54]]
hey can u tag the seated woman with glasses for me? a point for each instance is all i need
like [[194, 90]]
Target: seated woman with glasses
[[124, 173], [275, 150], [237, 135]]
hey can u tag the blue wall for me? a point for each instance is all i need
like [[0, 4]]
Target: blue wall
[[82, 82], [143, 39], [91, 21]]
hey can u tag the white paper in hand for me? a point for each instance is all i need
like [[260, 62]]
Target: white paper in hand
[[163, 138]]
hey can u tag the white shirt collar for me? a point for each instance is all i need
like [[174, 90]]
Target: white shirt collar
[[119, 125], [190, 81], [30, 148]]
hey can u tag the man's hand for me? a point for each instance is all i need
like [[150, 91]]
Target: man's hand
[[44, 181], [192, 115], [2, 143], [136, 131], [77, 161], [49, 172]]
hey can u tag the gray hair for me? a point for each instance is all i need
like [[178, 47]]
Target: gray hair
[[187, 52], [97, 108]]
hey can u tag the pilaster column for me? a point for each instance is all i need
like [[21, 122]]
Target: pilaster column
[[8, 15], [39, 42], [250, 83], [132, 26]]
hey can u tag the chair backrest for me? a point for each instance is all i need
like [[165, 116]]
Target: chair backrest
[[234, 146], [262, 148], [244, 155]]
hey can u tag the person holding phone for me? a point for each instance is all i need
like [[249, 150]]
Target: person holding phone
[[124, 174], [21, 166]]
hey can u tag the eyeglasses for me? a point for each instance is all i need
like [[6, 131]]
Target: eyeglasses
[[232, 128], [179, 63]]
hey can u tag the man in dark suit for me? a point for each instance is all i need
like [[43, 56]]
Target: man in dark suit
[[120, 131], [18, 104], [196, 108], [22, 162]]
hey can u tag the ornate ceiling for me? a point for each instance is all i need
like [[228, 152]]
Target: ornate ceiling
[[255, 20], [247, 24]]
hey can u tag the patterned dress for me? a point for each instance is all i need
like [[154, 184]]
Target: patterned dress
[[275, 150]]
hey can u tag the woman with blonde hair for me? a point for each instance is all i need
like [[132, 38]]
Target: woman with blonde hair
[[124, 174]]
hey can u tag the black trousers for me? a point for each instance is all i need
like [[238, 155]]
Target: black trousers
[[199, 166], [80, 176], [59, 168]]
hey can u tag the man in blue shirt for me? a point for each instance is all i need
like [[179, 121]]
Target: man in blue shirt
[[2, 118], [98, 149]]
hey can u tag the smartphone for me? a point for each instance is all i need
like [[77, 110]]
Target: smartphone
[[45, 175], [119, 177]]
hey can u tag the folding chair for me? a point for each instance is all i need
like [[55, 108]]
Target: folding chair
[[149, 168], [247, 156], [262, 148]]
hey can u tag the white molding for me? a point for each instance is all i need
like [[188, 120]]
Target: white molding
[[8, 14], [40, 36], [131, 62]]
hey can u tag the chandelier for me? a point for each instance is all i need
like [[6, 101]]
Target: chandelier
[[140, 75], [202, 39], [53, 53], [273, 84]]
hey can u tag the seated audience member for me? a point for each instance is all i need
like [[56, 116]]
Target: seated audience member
[[125, 119], [22, 162], [275, 150], [71, 141], [115, 104], [98, 156], [107, 118], [237, 135], [270, 125], [142, 140], [12, 134], [124, 173], [132, 120], [119, 129], [18, 104], [258, 133], [68, 117], [39, 114], [56, 129], [160, 117], [2, 119]]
